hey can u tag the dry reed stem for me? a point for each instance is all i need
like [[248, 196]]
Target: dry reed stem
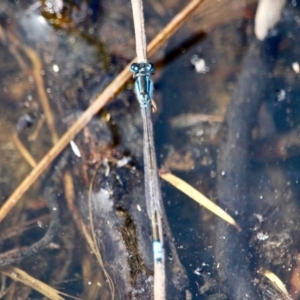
[[199, 198], [109, 93], [141, 51], [139, 28], [21, 228], [159, 281], [23, 150], [172, 27], [38, 78], [18, 275]]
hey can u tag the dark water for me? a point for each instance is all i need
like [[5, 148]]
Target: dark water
[[80, 53]]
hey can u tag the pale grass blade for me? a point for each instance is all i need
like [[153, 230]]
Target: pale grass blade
[[199, 198]]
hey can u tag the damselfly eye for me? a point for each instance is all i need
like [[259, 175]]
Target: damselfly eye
[[150, 67], [134, 67]]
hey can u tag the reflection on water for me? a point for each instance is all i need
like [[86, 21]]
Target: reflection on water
[[56, 59]]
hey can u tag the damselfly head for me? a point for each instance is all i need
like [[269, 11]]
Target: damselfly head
[[142, 68]]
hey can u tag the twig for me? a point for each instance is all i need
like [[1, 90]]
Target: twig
[[19, 275], [23, 150], [38, 78], [144, 89], [37, 74], [139, 28], [172, 27], [109, 93]]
